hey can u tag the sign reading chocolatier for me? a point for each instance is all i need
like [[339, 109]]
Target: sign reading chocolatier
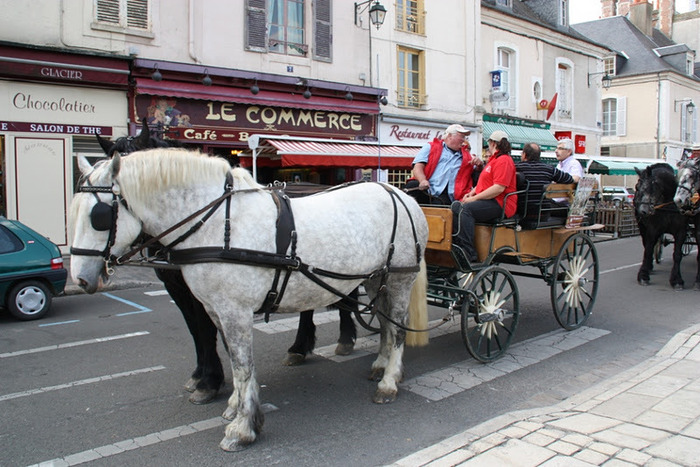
[[213, 121]]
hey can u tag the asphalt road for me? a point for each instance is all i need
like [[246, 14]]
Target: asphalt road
[[101, 377]]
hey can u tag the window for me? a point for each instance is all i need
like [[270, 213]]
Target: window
[[9, 242], [564, 88], [409, 16], [410, 79], [127, 14], [689, 123], [506, 3], [286, 26], [609, 66], [614, 116], [505, 62], [563, 13]]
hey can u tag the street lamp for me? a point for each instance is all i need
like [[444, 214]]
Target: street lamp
[[689, 104], [607, 79], [377, 12]]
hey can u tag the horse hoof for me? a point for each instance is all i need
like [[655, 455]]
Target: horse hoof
[[233, 445], [678, 287], [203, 396], [191, 384], [697, 286], [644, 282], [344, 349], [383, 397], [376, 374], [294, 359], [229, 414]]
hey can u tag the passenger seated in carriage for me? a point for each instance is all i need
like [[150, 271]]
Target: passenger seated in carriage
[[443, 170], [539, 174], [485, 202]]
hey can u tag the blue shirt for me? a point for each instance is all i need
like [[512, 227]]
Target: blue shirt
[[445, 171]]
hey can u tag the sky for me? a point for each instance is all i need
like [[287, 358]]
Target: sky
[[581, 11]]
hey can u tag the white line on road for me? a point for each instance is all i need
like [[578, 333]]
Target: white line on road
[[156, 293], [67, 345], [97, 379], [140, 308]]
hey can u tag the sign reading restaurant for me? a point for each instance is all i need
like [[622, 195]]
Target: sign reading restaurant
[[210, 121]]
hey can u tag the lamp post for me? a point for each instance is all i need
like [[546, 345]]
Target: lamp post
[[606, 81]]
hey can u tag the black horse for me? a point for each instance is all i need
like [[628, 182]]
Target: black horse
[[657, 214], [687, 199], [208, 376]]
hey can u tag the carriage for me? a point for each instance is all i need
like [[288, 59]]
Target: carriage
[[485, 294]]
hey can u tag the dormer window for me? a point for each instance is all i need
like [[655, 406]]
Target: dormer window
[[564, 12], [505, 3]]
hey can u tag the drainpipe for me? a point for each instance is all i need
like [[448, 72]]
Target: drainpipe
[[190, 42], [658, 115]]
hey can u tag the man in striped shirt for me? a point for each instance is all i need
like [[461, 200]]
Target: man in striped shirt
[[539, 174]]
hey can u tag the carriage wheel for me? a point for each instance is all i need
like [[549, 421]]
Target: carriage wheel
[[490, 313], [688, 244], [367, 319], [575, 281]]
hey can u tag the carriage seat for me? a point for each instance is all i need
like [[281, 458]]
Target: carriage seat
[[522, 187], [548, 213]]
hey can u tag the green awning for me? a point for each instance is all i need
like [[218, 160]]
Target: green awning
[[519, 135], [619, 167]]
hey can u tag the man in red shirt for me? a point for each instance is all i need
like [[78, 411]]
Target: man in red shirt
[[485, 202]]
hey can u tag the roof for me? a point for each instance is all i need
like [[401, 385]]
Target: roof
[[643, 52]]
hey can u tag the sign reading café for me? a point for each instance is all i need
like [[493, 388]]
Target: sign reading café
[[212, 121]]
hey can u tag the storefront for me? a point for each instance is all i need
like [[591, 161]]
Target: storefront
[[521, 131], [218, 110], [52, 105]]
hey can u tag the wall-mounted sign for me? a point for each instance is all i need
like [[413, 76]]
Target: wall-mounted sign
[[496, 79], [580, 144]]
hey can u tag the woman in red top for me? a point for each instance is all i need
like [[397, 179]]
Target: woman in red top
[[485, 202]]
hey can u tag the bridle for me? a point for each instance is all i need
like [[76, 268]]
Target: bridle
[[103, 217]]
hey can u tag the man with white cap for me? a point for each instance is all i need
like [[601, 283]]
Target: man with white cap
[[488, 199], [443, 168]]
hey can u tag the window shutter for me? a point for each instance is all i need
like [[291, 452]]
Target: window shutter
[[621, 116], [256, 26], [137, 14], [323, 31], [694, 129], [108, 11]]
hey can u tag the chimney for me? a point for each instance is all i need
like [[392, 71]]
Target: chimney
[[665, 16], [640, 16], [608, 8]]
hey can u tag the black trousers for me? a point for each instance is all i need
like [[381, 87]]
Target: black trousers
[[424, 197]]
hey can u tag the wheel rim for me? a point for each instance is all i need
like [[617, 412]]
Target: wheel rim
[[30, 300], [490, 313], [575, 282]]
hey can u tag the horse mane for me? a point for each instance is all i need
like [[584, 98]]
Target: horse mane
[[144, 173]]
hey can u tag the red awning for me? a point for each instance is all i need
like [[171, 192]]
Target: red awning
[[340, 154], [244, 96]]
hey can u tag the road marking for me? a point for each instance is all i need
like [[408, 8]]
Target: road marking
[[451, 380], [82, 382], [291, 324], [67, 345], [621, 268], [59, 323], [156, 293], [143, 441], [140, 308]]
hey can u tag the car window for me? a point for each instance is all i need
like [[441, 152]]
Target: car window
[[9, 241]]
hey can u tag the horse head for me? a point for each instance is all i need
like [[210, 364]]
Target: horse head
[[688, 186], [101, 227], [129, 144], [655, 187]]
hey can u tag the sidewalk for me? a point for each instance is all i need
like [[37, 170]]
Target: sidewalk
[[648, 415]]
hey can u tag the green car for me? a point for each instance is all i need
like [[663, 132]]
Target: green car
[[31, 271]]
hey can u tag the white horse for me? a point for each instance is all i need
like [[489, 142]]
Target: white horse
[[365, 233]]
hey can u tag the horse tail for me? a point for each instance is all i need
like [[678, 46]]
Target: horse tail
[[418, 310]]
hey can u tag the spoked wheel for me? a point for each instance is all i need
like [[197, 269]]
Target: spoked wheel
[[367, 319], [490, 313], [575, 281]]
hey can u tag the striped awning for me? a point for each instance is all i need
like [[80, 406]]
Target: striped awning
[[519, 135], [354, 154]]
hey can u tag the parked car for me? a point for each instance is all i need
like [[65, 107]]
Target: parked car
[[618, 194], [31, 271]]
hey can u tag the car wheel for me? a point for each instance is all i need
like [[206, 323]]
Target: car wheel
[[29, 300]]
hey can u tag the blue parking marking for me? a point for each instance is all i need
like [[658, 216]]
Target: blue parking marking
[[60, 322], [140, 308]]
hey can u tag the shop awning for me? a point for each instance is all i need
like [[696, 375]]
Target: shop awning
[[353, 154], [605, 167], [519, 135], [244, 96]]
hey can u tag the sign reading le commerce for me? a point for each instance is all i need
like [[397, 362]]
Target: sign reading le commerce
[[212, 121]]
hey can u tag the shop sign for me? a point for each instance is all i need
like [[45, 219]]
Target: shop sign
[[516, 121], [580, 144], [209, 121], [36, 127]]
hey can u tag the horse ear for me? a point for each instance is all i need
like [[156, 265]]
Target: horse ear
[[84, 165], [639, 172], [104, 144], [145, 137], [116, 164]]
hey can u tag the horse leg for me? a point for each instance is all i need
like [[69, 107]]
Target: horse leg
[[348, 330], [244, 404], [649, 241], [675, 279], [305, 340], [208, 377]]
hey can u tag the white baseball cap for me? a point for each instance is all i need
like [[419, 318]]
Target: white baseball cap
[[456, 128], [498, 135]]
